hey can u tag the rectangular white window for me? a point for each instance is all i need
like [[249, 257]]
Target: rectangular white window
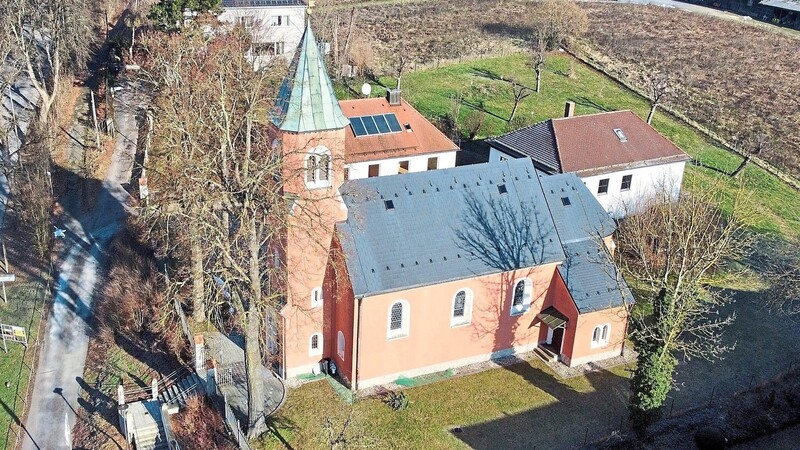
[[626, 183], [279, 21], [246, 22], [316, 297]]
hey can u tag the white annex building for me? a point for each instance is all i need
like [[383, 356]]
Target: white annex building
[[618, 156], [276, 25]]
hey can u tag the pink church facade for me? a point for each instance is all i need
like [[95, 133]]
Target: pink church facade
[[383, 282]]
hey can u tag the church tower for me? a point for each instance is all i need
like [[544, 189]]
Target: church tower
[[309, 127]]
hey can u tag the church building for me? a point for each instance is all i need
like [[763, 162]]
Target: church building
[[401, 264]]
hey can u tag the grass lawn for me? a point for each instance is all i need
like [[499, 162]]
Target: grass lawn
[[777, 205], [23, 309], [520, 406]]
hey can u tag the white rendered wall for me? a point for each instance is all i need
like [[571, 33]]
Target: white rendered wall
[[646, 182], [418, 163], [262, 18]]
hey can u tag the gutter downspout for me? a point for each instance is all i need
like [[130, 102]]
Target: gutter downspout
[[356, 343]]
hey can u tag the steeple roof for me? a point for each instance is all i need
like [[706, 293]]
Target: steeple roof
[[306, 101]]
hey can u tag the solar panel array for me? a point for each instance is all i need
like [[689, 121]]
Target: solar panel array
[[377, 124]]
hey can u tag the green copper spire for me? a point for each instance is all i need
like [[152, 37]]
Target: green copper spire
[[306, 101]]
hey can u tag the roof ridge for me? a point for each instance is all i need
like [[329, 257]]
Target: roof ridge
[[595, 114], [518, 130]]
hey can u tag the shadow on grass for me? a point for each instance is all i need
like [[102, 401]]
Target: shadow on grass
[[570, 419]]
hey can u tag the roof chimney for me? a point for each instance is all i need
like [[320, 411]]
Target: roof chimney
[[394, 97], [569, 110]]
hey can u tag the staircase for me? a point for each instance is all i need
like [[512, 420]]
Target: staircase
[[146, 425], [180, 392], [546, 353]]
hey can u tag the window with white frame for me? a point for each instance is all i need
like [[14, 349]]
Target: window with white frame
[[268, 48], [246, 22], [318, 168], [600, 335], [462, 308], [315, 344], [522, 294], [340, 344], [316, 297], [398, 321], [279, 21]]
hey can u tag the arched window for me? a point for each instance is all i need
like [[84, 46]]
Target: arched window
[[600, 335], [316, 297], [311, 169], [340, 345], [399, 314], [315, 344], [318, 168], [521, 300], [462, 308]]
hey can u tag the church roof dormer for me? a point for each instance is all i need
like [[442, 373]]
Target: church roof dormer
[[306, 101]]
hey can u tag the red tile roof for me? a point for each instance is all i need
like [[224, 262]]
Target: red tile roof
[[588, 144], [423, 138]]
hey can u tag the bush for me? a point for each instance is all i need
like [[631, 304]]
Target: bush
[[395, 400]]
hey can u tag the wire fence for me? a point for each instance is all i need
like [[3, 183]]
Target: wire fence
[[231, 422]]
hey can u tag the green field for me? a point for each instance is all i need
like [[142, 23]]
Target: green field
[[777, 205], [23, 309], [489, 407]]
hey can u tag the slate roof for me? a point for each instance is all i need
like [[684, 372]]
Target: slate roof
[[589, 145], [306, 100], [583, 217], [423, 138], [260, 3], [592, 278], [445, 225], [535, 141]]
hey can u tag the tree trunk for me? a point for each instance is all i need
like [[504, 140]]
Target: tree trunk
[[513, 111], [653, 107], [198, 288], [255, 381], [741, 167], [538, 78]]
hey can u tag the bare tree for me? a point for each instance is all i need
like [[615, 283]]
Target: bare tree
[[215, 171], [51, 40], [473, 123], [520, 93], [779, 263], [674, 248], [361, 54], [552, 23], [751, 143], [659, 88]]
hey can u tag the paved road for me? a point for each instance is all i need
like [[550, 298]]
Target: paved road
[[52, 412]]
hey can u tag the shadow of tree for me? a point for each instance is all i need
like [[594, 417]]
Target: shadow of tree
[[571, 419]]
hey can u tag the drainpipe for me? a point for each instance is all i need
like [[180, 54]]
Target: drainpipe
[[356, 343]]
